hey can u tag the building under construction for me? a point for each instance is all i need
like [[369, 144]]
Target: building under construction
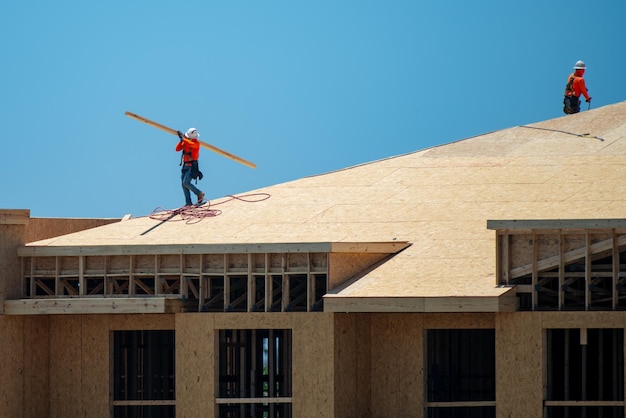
[[478, 279]]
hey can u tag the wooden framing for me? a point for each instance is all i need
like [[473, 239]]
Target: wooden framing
[[563, 264], [204, 278]]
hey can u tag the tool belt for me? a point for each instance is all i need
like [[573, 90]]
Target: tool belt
[[571, 104], [195, 169]]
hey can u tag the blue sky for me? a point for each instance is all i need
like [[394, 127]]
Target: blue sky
[[297, 87]]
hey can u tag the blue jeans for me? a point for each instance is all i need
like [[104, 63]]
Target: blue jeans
[[187, 186]]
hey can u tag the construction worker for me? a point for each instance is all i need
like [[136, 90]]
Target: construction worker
[[190, 146], [574, 88]]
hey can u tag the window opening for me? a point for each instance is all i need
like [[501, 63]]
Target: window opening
[[461, 373], [585, 373], [254, 374], [143, 374]]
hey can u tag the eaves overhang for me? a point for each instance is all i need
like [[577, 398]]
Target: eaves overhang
[[553, 224], [504, 302], [235, 248]]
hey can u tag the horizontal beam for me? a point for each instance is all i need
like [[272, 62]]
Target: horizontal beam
[[503, 303], [557, 224], [251, 400], [297, 247], [70, 306], [584, 403], [161, 402]]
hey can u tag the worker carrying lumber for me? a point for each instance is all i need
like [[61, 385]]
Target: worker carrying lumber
[[190, 146], [574, 88]]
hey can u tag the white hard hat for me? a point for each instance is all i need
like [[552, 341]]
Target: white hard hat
[[192, 133], [579, 65]]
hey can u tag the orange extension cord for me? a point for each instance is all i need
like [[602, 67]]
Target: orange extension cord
[[193, 214]]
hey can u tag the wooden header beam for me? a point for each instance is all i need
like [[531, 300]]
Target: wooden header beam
[[204, 144], [557, 224], [74, 306], [165, 249]]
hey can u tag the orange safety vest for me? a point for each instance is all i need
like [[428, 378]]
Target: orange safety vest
[[190, 149]]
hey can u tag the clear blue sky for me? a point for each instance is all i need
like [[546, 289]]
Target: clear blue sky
[[297, 87]]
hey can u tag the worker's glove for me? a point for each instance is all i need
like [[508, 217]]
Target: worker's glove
[[180, 135], [588, 100]]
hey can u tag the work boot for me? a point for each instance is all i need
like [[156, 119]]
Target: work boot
[[200, 197]]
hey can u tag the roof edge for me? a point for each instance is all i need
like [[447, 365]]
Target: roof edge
[[390, 247], [557, 223], [505, 302]]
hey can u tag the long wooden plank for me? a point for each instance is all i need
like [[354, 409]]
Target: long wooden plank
[[204, 144]]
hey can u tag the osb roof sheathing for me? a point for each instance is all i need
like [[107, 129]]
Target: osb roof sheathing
[[438, 199]]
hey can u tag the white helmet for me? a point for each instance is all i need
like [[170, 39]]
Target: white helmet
[[579, 65], [192, 133]]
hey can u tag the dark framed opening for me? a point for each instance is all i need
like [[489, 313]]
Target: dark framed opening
[[253, 365], [461, 368], [584, 366], [143, 371]]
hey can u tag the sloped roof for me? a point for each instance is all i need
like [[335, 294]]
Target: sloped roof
[[438, 199]]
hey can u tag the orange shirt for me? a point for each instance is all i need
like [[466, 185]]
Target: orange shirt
[[190, 149], [578, 85]]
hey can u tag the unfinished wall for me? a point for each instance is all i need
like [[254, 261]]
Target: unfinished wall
[[345, 266], [352, 365], [23, 341], [312, 359], [79, 348], [195, 363], [397, 365], [344, 365], [12, 365], [24, 360], [44, 228], [12, 229], [519, 375]]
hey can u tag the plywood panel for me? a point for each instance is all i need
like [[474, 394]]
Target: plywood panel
[[459, 321], [11, 237], [195, 365], [548, 245], [312, 363], [95, 366], [345, 266], [36, 366], [11, 364], [583, 319], [256, 320], [141, 322], [42, 228], [312, 358], [519, 378], [397, 365], [352, 365], [65, 366]]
